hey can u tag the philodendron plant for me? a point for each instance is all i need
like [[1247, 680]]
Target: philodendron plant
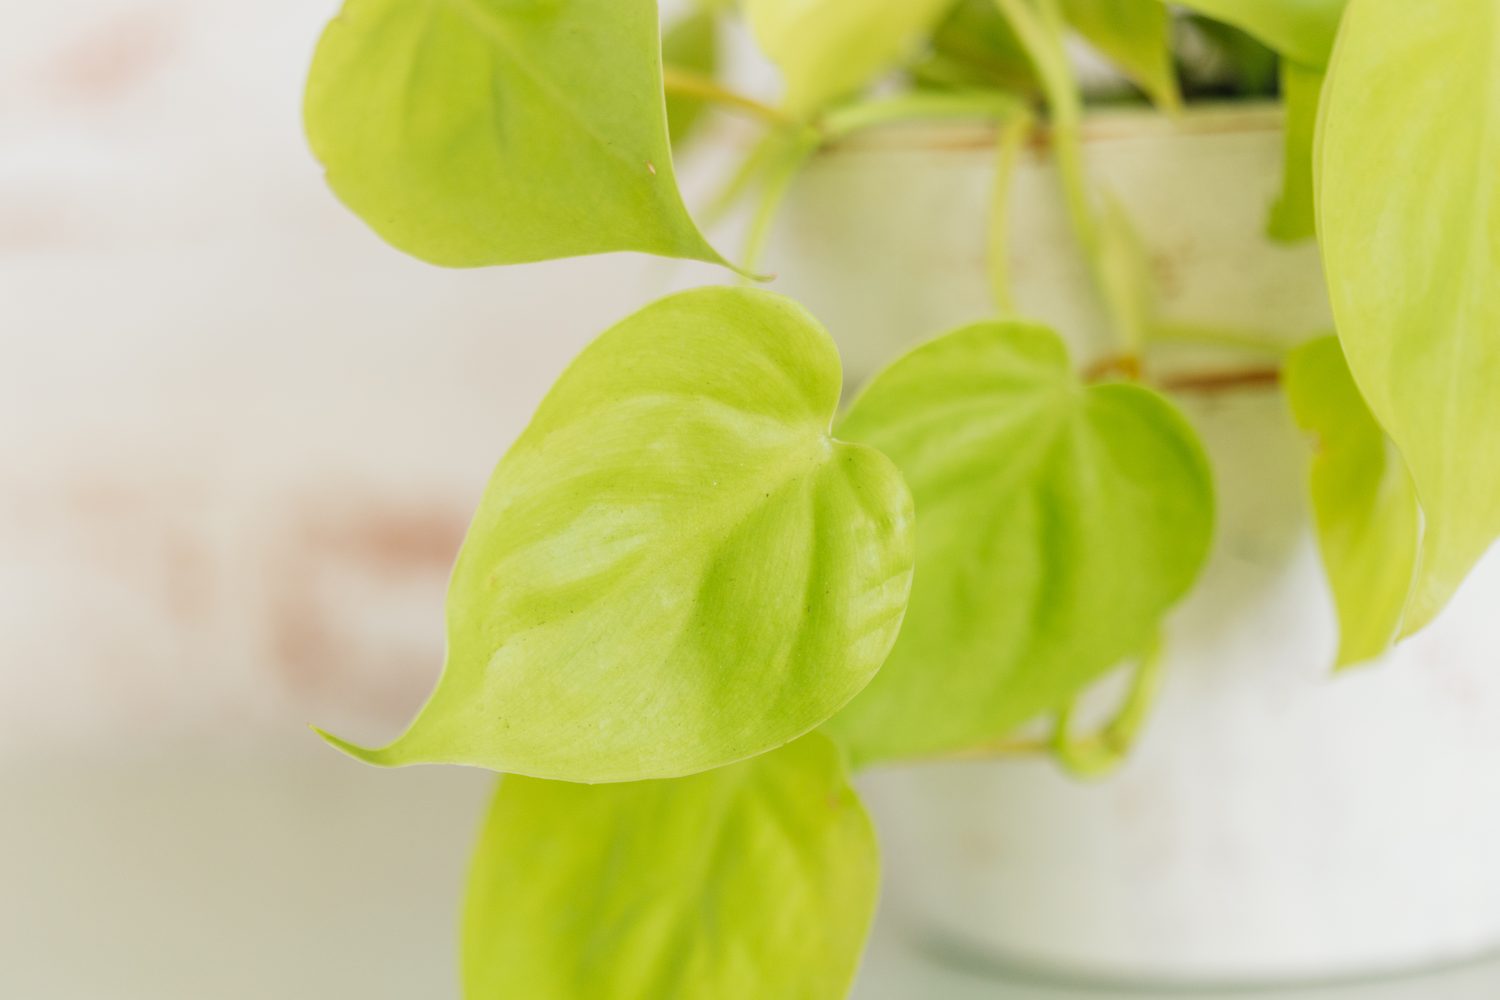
[[696, 593]]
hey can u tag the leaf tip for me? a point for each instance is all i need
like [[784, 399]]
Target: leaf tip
[[378, 758], [1349, 660], [1443, 561], [747, 272], [1423, 607]]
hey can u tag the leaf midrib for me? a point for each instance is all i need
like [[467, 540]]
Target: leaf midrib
[[801, 455]]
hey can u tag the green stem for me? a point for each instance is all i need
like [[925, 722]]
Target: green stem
[[1088, 756], [1015, 125], [1013, 137], [778, 178], [1099, 754], [986, 105], [1009, 747], [1109, 243], [1039, 26], [687, 83]]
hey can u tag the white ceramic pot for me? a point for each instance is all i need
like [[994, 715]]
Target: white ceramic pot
[[1275, 822]]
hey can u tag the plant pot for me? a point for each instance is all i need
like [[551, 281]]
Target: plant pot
[[1276, 822]]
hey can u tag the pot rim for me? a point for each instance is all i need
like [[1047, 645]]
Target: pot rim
[[1099, 125]]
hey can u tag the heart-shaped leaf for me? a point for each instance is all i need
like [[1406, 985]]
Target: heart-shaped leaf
[[676, 566], [1301, 30], [1137, 36], [1362, 498], [1409, 220], [975, 46], [470, 132], [829, 48], [753, 881], [1057, 523]]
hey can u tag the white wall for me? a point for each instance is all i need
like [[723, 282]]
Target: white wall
[[239, 442]]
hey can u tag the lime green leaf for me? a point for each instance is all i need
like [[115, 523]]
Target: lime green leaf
[[1137, 36], [1409, 220], [471, 132], [675, 566], [1057, 523], [1363, 501], [754, 881], [1292, 217], [828, 49], [1301, 30], [974, 46], [691, 43]]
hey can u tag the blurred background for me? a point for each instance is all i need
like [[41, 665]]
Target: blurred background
[[240, 439]]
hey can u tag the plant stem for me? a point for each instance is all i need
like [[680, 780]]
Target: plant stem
[[1013, 137], [1015, 126], [1001, 748], [687, 83], [1110, 245], [1128, 367], [778, 177], [986, 105], [1038, 24], [1209, 382], [1097, 755]]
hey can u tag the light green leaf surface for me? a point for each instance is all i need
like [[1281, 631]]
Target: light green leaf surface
[[751, 882], [675, 566], [1409, 221], [828, 49], [1292, 217], [1137, 36], [1363, 502], [974, 46], [1056, 525], [1301, 30], [690, 43], [472, 132]]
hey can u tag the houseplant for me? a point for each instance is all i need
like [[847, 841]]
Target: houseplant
[[694, 596], [1268, 823]]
